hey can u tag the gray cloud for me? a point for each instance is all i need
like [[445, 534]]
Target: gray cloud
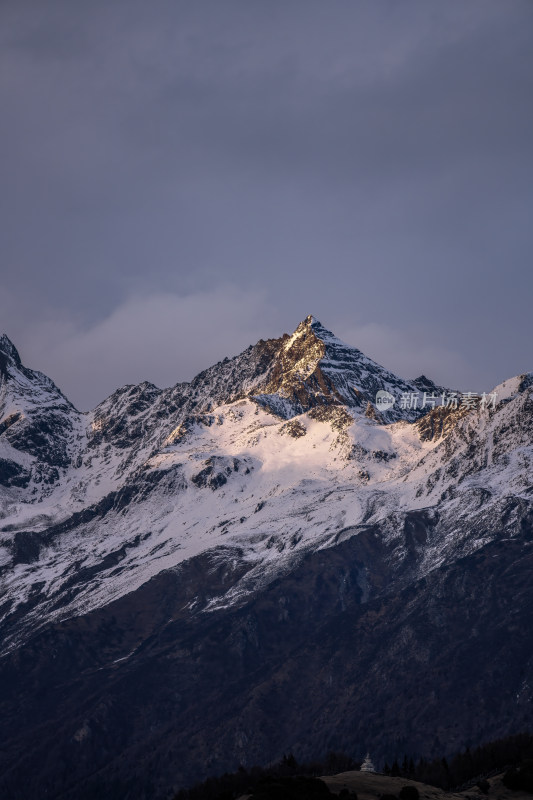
[[368, 162], [158, 337]]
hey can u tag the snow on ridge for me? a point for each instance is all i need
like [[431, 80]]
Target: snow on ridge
[[156, 477], [513, 386], [288, 492], [272, 491]]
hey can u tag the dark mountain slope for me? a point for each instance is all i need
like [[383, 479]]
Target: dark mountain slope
[[306, 666]]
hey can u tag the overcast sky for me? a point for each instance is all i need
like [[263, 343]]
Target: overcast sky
[[179, 179]]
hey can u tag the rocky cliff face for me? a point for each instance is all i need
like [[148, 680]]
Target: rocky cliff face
[[254, 562]]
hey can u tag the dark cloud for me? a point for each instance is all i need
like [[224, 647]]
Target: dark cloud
[[368, 162]]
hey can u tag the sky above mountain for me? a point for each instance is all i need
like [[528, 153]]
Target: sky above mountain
[[182, 179]]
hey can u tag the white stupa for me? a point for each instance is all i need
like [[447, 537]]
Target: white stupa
[[367, 765]]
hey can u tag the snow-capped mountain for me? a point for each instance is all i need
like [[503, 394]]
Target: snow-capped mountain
[[269, 431], [212, 501], [37, 424]]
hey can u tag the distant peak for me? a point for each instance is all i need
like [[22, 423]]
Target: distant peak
[[307, 324], [8, 348], [422, 382], [311, 322], [311, 325]]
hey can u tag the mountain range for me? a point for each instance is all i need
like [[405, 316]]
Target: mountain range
[[259, 561]]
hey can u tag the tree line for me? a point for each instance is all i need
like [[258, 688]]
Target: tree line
[[512, 754], [467, 766]]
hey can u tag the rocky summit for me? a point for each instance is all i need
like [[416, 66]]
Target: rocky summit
[[262, 560]]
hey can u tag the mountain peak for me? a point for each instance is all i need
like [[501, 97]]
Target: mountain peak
[[313, 367], [312, 326], [8, 352], [307, 324]]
